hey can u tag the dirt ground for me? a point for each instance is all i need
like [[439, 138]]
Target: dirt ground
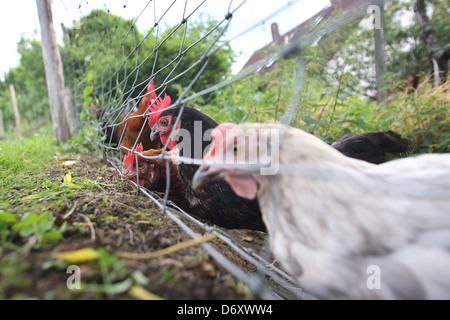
[[126, 220]]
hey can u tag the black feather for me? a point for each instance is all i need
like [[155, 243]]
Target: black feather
[[216, 201], [373, 146]]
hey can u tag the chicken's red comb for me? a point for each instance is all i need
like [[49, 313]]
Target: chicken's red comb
[[157, 106], [129, 158], [151, 94]]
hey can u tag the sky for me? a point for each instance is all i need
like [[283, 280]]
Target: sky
[[22, 18]]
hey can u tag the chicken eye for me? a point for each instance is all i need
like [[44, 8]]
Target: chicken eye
[[164, 122], [141, 165]]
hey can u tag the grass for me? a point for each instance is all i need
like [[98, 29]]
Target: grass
[[88, 214], [22, 161], [28, 205], [24, 165], [424, 116], [30, 202]]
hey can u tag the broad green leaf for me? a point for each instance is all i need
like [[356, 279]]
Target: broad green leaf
[[8, 217], [360, 122]]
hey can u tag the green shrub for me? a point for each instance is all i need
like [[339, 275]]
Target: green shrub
[[332, 110]]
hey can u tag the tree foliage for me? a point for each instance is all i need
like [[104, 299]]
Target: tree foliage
[[115, 60], [339, 81], [352, 48], [29, 83], [109, 60]]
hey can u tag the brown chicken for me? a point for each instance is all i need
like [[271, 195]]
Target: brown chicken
[[134, 127], [211, 208], [152, 174], [215, 202]]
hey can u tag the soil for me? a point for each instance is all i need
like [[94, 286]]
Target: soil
[[124, 219]]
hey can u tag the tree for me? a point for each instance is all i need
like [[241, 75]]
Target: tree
[[58, 100], [100, 57], [110, 56], [437, 54], [352, 47], [166, 66], [30, 85]]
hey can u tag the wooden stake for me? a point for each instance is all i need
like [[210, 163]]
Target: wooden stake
[[2, 130], [54, 73], [16, 111], [380, 57]]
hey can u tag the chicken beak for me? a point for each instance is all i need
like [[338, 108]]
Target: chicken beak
[[154, 134], [204, 175], [126, 174]]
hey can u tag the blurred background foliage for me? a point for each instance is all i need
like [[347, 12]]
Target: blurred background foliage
[[337, 95]]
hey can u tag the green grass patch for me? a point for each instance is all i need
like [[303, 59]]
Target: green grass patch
[[39, 207], [23, 163], [23, 168]]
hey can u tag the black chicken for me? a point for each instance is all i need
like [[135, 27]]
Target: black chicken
[[215, 202], [373, 146]]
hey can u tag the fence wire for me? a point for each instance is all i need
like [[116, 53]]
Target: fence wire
[[118, 85]]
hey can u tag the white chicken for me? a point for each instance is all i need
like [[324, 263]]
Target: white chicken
[[344, 228]]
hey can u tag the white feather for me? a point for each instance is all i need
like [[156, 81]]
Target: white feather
[[331, 217]]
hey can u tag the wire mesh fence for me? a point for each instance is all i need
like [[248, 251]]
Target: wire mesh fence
[[121, 77]]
